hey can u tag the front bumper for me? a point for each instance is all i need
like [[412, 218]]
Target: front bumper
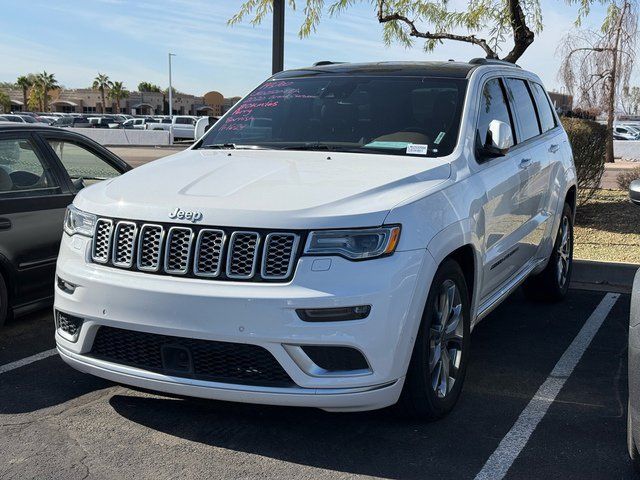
[[258, 314]]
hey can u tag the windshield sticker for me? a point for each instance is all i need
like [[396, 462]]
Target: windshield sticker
[[439, 138], [394, 145], [416, 149]]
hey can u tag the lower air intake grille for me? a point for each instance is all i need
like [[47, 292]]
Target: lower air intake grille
[[224, 362]]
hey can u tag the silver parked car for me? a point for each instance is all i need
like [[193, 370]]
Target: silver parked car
[[633, 413]]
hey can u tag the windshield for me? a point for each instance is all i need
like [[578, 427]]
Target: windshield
[[396, 115]]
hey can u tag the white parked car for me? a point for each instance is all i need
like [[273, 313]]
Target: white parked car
[[135, 123], [337, 252], [625, 132], [182, 126]]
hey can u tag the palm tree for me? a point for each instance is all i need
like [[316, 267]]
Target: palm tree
[[118, 92], [5, 102], [46, 81], [24, 83], [102, 83]]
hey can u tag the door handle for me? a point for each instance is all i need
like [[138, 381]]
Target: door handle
[[554, 148], [5, 224], [524, 163]]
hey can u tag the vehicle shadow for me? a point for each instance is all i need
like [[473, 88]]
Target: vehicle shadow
[[380, 443], [43, 384], [504, 374]]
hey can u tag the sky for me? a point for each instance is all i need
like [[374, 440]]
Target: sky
[[129, 40]]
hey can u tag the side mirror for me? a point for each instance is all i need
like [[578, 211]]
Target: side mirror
[[201, 127], [634, 192], [498, 141]]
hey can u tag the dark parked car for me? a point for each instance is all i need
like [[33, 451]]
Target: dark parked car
[[75, 122], [41, 170]]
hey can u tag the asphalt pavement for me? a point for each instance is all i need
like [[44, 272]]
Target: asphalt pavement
[[58, 423]]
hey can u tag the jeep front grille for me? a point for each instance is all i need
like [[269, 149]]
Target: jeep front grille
[[194, 251]]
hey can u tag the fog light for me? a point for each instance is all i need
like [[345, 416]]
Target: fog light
[[66, 287], [68, 326], [340, 314]]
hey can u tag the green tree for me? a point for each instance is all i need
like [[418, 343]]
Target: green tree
[[102, 83], [5, 102], [24, 82], [148, 87], [117, 93], [430, 21], [45, 82]]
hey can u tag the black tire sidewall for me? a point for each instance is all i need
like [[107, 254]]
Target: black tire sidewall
[[562, 290], [421, 395], [4, 301]]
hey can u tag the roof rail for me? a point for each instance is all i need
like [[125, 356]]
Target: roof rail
[[326, 62], [492, 61]]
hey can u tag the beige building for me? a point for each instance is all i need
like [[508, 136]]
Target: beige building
[[86, 100]]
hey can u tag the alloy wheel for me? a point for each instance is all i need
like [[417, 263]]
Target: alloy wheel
[[446, 339], [564, 252]]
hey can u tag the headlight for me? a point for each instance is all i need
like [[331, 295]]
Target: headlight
[[77, 221], [354, 244]]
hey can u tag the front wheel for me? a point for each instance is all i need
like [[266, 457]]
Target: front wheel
[[439, 360], [4, 301], [552, 284]]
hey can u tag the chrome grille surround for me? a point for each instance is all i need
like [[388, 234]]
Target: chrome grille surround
[[208, 258], [195, 251], [124, 237], [277, 261], [178, 250], [150, 242], [101, 245], [242, 254]]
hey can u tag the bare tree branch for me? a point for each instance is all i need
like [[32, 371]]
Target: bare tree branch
[[414, 32]]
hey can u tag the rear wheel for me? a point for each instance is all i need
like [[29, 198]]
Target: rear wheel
[[552, 284], [439, 360], [631, 444]]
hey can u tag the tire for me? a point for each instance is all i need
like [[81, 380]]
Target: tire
[[552, 284], [631, 444], [4, 302], [425, 395]]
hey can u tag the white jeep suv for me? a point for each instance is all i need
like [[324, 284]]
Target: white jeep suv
[[330, 242]]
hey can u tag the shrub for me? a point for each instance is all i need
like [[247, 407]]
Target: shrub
[[588, 141], [626, 177]]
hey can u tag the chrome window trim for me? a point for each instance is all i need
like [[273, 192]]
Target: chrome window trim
[[160, 247], [93, 242], [168, 251], [114, 244], [294, 249], [196, 259], [230, 254]]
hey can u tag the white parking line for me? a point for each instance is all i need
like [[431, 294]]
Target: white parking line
[[515, 440], [26, 361]]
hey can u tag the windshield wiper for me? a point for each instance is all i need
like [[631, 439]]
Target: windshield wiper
[[225, 146], [308, 146], [232, 146]]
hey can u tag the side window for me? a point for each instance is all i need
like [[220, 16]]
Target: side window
[[524, 109], [80, 163], [493, 106], [22, 171], [545, 112]]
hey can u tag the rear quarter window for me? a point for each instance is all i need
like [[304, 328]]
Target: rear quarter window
[[545, 112], [524, 109]]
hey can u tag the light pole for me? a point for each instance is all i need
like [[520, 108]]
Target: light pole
[[170, 88], [277, 55]]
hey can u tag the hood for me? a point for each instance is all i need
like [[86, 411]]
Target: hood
[[266, 188]]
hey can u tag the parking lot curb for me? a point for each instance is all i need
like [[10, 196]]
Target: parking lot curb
[[603, 276]]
